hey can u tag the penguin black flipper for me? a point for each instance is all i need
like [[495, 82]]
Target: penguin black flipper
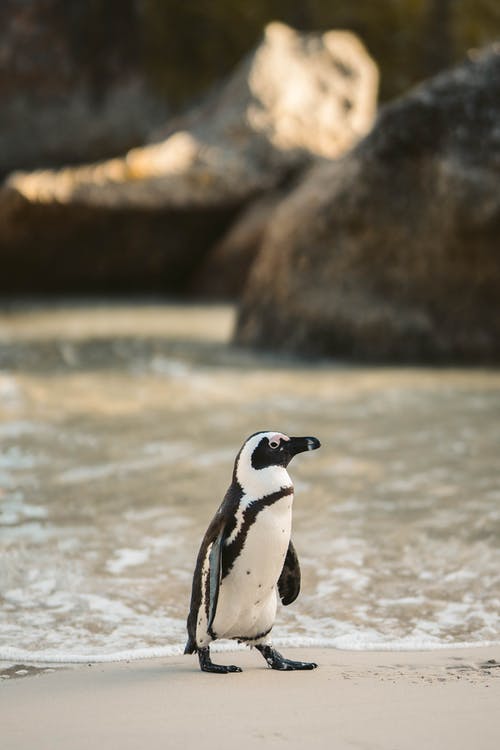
[[212, 546], [289, 580], [212, 537], [215, 575]]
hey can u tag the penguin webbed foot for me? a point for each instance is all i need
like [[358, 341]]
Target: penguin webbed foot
[[207, 665], [277, 661]]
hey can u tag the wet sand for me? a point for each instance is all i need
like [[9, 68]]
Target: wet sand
[[392, 700]]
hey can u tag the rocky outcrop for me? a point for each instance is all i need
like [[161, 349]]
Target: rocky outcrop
[[223, 273], [82, 81], [72, 84], [147, 219], [392, 252]]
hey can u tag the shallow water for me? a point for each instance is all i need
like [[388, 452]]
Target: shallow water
[[118, 431]]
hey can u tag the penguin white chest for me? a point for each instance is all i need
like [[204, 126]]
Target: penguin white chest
[[247, 596]]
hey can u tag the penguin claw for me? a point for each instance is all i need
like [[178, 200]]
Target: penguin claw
[[207, 665], [221, 668]]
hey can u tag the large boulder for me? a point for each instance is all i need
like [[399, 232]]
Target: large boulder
[[147, 219], [393, 252], [222, 275], [81, 81], [72, 84]]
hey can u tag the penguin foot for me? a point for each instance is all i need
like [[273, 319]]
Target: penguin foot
[[207, 665], [276, 661]]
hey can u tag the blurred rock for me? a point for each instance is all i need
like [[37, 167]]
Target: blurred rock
[[146, 220], [72, 86], [392, 252], [223, 274], [81, 81], [190, 45]]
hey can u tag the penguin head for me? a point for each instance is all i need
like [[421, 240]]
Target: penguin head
[[276, 449], [265, 455]]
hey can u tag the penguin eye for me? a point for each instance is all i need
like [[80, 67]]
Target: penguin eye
[[274, 444]]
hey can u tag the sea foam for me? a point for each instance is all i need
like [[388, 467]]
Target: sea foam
[[49, 656]]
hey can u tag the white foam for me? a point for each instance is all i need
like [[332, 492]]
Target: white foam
[[342, 643], [351, 643], [50, 656], [10, 392], [126, 558], [172, 453], [19, 428], [168, 367], [14, 510], [14, 458]]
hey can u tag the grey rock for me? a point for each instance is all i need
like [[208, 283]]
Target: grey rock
[[392, 252], [72, 86], [148, 218], [223, 273]]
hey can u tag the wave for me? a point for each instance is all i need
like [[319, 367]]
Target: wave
[[342, 643]]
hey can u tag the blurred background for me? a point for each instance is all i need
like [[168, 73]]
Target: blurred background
[[222, 217], [114, 70], [248, 154]]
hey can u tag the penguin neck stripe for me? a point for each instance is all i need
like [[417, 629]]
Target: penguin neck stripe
[[273, 497]]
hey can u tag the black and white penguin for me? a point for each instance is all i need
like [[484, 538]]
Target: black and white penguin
[[246, 554]]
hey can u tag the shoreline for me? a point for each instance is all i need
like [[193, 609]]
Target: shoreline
[[12, 655], [406, 700]]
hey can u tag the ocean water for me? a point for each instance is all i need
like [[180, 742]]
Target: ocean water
[[118, 430]]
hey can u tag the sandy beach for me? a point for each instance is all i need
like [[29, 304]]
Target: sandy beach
[[391, 700]]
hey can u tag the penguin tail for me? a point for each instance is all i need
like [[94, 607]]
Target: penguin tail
[[190, 646]]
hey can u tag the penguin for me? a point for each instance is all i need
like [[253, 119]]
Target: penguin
[[247, 557]]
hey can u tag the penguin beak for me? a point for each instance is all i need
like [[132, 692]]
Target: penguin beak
[[300, 444]]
